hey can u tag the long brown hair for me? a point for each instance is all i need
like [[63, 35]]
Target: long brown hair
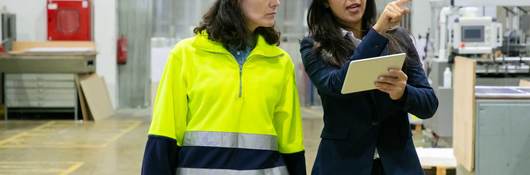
[[225, 23], [325, 29]]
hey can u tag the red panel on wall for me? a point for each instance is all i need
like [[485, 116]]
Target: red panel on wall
[[69, 20]]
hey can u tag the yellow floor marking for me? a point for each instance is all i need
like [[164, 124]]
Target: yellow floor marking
[[72, 168], [44, 125], [127, 130], [70, 146], [16, 136], [35, 132], [37, 162], [33, 171], [12, 167], [13, 138]]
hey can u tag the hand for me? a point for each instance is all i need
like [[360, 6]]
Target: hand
[[393, 83], [392, 15]]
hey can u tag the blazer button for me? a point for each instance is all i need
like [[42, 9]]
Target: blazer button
[[375, 123]]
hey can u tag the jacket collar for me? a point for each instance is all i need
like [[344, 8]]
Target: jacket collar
[[262, 47]]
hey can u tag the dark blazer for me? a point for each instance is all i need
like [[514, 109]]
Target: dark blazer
[[355, 124]]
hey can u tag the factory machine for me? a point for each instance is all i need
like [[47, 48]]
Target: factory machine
[[500, 44], [495, 36], [494, 33]]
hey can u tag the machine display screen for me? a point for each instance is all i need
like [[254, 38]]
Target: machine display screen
[[473, 33]]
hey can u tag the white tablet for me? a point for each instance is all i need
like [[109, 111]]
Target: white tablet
[[363, 73]]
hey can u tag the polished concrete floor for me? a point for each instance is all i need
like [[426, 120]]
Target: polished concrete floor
[[108, 147], [113, 146]]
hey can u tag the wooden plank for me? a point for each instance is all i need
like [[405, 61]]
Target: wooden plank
[[21, 46], [52, 48], [52, 53], [97, 97], [441, 171], [464, 112], [524, 83]]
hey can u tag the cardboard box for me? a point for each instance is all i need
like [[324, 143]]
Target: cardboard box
[[94, 92]]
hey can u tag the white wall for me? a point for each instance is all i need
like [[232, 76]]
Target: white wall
[[31, 18], [31, 25], [105, 36]]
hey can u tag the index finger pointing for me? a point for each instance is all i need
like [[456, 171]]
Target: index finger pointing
[[403, 2]]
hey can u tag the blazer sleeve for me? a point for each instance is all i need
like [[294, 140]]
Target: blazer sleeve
[[329, 79], [419, 98]]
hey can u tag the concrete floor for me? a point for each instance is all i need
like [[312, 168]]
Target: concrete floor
[[108, 147]]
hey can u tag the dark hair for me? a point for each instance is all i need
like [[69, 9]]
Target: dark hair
[[325, 29], [225, 23]]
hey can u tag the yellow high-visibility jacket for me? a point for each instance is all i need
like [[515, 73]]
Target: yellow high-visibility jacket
[[213, 116]]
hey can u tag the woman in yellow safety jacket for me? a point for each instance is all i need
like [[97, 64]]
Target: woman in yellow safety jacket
[[227, 102]]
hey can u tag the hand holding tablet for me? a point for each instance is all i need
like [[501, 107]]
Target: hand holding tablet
[[364, 75]]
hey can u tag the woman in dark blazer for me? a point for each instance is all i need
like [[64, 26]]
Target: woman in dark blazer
[[366, 132]]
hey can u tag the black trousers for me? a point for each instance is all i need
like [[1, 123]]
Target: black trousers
[[377, 167]]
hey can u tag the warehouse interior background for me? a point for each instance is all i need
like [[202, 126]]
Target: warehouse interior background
[[83, 105]]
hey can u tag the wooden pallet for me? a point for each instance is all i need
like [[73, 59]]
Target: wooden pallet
[[2, 115], [418, 128], [440, 170]]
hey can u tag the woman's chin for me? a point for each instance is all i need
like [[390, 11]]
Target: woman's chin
[[354, 19], [267, 24]]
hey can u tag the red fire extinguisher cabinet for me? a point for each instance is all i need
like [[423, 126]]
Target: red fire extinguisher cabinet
[[122, 50], [69, 20]]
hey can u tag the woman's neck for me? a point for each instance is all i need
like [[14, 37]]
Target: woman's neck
[[356, 29], [252, 40]]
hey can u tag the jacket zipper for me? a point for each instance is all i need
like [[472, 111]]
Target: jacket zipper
[[241, 79], [240, 73]]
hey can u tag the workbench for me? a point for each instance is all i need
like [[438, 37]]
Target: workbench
[[42, 76]]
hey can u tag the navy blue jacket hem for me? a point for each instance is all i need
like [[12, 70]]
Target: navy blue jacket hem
[[160, 157], [295, 163]]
